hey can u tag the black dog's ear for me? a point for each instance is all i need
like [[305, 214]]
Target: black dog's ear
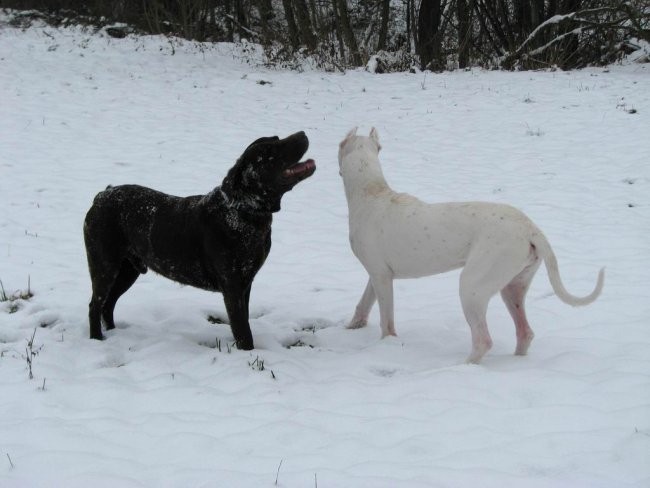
[[232, 181], [263, 139]]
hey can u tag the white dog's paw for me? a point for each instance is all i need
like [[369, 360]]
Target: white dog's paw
[[390, 333], [388, 330], [478, 353], [357, 323]]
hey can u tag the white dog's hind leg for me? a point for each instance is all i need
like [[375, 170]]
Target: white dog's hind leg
[[362, 311], [514, 296], [383, 286], [485, 274]]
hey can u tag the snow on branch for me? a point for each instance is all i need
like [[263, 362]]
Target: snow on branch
[[585, 26]]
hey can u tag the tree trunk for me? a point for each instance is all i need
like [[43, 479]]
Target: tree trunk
[[291, 24], [383, 28], [538, 14], [463, 11], [304, 23], [523, 14], [230, 27], [408, 25], [265, 9], [315, 18], [240, 19], [428, 43], [337, 26], [346, 30]]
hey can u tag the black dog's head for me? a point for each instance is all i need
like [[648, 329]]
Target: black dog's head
[[268, 169]]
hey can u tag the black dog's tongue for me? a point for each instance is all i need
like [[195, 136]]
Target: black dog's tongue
[[300, 168]]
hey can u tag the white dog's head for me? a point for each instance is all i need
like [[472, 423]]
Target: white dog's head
[[352, 142]]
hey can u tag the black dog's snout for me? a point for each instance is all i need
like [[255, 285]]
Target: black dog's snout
[[301, 139], [298, 135]]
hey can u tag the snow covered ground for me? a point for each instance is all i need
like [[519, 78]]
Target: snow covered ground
[[164, 402]]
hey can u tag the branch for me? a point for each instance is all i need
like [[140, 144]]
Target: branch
[[245, 29], [605, 19]]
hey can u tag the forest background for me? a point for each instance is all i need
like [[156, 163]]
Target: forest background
[[383, 35]]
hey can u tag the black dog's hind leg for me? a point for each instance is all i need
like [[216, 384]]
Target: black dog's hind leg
[[125, 279], [101, 289], [104, 267], [94, 317], [236, 300]]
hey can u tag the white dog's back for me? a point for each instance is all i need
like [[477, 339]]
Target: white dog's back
[[412, 237], [419, 239]]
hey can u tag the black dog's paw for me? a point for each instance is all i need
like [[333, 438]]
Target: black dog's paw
[[245, 345]]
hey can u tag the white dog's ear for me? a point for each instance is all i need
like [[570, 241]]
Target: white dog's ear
[[348, 136], [374, 136]]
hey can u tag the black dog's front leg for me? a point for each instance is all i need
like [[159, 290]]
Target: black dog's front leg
[[236, 301]]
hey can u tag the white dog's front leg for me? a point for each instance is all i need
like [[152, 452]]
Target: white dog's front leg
[[362, 311], [383, 286]]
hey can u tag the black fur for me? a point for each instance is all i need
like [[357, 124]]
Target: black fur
[[216, 242]]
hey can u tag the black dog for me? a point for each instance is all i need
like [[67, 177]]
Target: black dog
[[216, 242]]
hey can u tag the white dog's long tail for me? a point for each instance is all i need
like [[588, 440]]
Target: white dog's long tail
[[546, 252]]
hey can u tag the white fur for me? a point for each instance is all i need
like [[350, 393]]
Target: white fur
[[395, 235]]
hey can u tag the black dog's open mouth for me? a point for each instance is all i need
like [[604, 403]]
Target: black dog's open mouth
[[300, 171]]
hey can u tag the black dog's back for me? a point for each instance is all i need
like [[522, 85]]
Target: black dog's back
[[152, 230]]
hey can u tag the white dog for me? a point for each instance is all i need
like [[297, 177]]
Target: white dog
[[395, 235]]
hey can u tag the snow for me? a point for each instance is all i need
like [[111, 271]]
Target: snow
[[158, 404]]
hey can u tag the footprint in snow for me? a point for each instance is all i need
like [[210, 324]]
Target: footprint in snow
[[383, 372], [314, 325], [112, 360], [299, 342], [217, 319], [46, 319]]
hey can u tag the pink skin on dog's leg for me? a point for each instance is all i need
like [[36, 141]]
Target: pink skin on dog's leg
[[513, 295], [525, 336]]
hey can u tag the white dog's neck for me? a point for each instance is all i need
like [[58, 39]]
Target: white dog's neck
[[364, 177]]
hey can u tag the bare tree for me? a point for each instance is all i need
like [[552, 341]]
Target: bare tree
[[304, 23], [463, 12], [292, 28], [347, 32], [383, 28], [429, 41]]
